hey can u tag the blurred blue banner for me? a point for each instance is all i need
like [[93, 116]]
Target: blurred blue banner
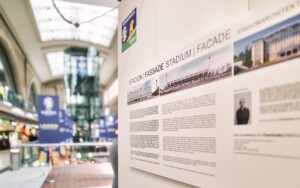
[[48, 114]]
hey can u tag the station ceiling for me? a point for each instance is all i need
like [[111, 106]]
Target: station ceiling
[[43, 34]]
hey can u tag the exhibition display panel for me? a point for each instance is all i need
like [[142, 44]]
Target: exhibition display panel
[[222, 111]]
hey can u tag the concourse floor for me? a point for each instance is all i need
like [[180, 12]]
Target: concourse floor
[[30, 177], [83, 176], [4, 159]]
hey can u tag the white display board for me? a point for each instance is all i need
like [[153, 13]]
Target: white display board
[[222, 111]]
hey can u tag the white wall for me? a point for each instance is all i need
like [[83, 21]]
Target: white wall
[[163, 27]]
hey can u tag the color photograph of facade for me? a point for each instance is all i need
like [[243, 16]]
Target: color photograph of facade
[[143, 91], [205, 69], [275, 44]]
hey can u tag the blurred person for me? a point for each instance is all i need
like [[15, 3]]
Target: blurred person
[[113, 155], [33, 135]]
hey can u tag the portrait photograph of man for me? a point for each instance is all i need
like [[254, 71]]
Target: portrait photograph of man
[[242, 108]]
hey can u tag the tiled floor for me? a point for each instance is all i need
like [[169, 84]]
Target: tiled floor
[[31, 177], [81, 176]]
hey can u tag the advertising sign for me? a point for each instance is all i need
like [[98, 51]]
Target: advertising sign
[[48, 118], [13, 139], [129, 31]]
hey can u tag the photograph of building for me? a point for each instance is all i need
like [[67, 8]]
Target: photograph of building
[[202, 70], [275, 44], [143, 91]]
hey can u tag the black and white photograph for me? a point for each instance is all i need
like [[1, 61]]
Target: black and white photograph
[[205, 69], [242, 108], [143, 91]]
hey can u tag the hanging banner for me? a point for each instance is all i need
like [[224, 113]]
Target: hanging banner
[[62, 126], [102, 128], [62, 131], [67, 125], [68, 129], [129, 31], [111, 126], [48, 118], [71, 130], [82, 68]]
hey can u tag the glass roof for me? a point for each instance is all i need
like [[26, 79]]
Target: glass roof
[[52, 27], [56, 62]]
